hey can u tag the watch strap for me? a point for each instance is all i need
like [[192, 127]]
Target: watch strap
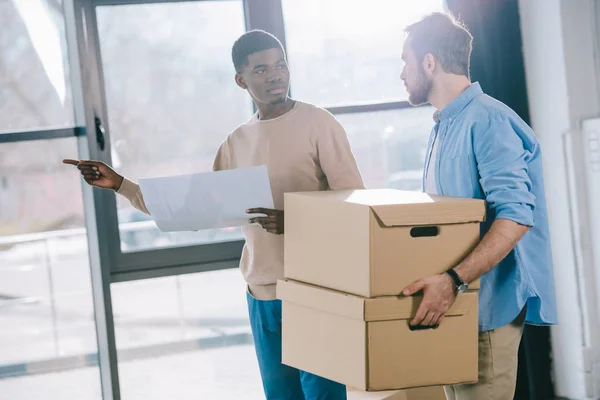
[[455, 278]]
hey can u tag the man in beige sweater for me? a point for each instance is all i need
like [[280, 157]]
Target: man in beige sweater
[[305, 149]]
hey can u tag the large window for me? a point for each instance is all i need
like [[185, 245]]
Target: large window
[[46, 308], [389, 146], [171, 99], [198, 325], [348, 53]]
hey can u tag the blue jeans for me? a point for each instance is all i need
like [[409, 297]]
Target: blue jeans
[[282, 382]]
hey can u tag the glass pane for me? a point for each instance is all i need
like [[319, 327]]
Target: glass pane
[[349, 52], [46, 308], [191, 332], [35, 87], [390, 146], [171, 98]]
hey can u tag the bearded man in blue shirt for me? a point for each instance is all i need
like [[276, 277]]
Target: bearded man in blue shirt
[[480, 148]]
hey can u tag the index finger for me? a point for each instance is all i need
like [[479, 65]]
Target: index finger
[[70, 162], [81, 162]]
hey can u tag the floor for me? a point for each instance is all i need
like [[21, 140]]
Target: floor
[[223, 373]]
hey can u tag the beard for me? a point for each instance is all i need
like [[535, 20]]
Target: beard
[[420, 94]]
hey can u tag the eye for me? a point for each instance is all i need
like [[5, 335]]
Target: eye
[[259, 71]]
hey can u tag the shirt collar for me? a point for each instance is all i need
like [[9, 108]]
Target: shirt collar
[[459, 103]]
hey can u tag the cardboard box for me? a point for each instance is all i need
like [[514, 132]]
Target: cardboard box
[[428, 393], [368, 343], [376, 242]]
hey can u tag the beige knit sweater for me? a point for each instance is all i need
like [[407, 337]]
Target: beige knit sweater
[[305, 149]]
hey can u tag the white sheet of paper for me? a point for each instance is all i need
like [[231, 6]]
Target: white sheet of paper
[[207, 200]]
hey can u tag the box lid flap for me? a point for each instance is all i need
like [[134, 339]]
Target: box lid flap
[[402, 207], [360, 308], [405, 208]]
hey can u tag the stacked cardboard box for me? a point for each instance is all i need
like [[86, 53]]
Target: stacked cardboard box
[[348, 255]]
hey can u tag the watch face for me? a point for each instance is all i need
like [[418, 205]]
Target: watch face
[[462, 288]]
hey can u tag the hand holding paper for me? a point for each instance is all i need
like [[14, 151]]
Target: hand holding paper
[[272, 223]]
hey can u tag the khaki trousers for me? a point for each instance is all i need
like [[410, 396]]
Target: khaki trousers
[[498, 359]]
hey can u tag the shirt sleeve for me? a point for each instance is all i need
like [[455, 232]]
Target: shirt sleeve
[[336, 158], [502, 154], [221, 162]]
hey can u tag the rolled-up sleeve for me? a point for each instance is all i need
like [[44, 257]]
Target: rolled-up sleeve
[[502, 155]]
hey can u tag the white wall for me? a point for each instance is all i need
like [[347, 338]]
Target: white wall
[[562, 86]]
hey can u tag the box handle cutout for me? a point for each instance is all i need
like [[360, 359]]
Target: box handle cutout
[[422, 327], [424, 231]]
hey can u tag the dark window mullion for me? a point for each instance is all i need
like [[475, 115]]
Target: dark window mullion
[[43, 134]]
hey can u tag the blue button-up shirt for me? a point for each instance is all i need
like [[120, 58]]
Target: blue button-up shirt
[[486, 151]]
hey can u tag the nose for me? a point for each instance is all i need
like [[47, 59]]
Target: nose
[[274, 77], [403, 74]]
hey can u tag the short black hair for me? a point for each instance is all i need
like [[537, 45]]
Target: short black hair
[[252, 42], [446, 39]]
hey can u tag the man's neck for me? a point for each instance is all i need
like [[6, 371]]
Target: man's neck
[[272, 111], [446, 90]]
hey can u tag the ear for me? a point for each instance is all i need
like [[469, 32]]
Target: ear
[[239, 79], [429, 64]]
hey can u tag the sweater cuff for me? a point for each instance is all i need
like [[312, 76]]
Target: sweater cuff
[[128, 189]]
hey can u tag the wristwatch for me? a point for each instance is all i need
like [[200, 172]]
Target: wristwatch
[[461, 286]]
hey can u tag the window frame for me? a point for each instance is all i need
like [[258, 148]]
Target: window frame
[[145, 263], [42, 134]]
